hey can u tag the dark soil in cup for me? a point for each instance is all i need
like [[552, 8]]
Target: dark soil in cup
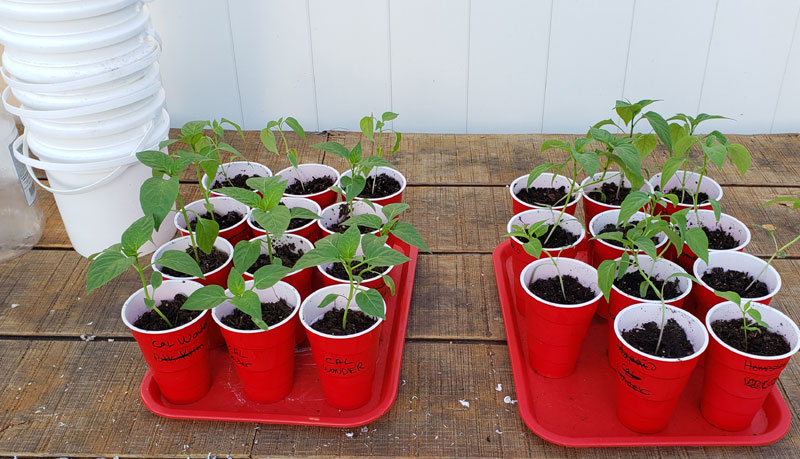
[[550, 289], [610, 193], [611, 228], [543, 196], [208, 262], [729, 280], [674, 343], [315, 185], [344, 214], [337, 270], [331, 322], [719, 239], [630, 282], [225, 221], [287, 253], [559, 238], [763, 342], [687, 196], [384, 186], [271, 313], [151, 321], [239, 181]]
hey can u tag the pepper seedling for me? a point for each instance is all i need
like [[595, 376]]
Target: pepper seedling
[[374, 129], [342, 248], [270, 142], [780, 251], [404, 231], [746, 309], [118, 258]]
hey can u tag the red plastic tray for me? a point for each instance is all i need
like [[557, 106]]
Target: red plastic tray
[[580, 410], [305, 404]]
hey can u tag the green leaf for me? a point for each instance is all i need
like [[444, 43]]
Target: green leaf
[[602, 123], [235, 282], [671, 166], [631, 204], [538, 170], [355, 154], [371, 303], [589, 161], [554, 143], [348, 243], [397, 138], [389, 283], [533, 247], [192, 128], [354, 187], [207, 297], [322, 253], [601, 135], [391, 211], [156, 160], [374, 161], [730, 296], [136, 235], [105, 267], [697, 240], [716, 153], [333, 147], [269, 275], [630, 155], [366, 126], [329, 298], [245, 254], [795, 202], [302, 213], [606, 273], [643, 286], [246, 197], [388, 116], [226, 147], [367, 220], [206, 233], [180, 261], [645, 144], [275, 222], [385, 256], [268, 139], [740, 157], [715, 205], [407, 233], [661, 128], [157, 196], [155, 280], [684, 144], [271, 188], [295, 125], [250, 304]]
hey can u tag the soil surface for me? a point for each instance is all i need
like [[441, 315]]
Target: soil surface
[[240, 181], [208, 262], [331, 322], [729, 280], [225, 221], [271, 313], [151, 321], [550, 289], [719, 239], [630, 282], [763, 342], [384, 186], [315, 185], [559, 238], [674, 343], [610, 193], [337, 270], [611, 228], [543, 196], [687, 196], [287, 253], [344, 214]]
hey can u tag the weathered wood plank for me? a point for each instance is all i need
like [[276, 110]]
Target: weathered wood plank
[[94, 410]]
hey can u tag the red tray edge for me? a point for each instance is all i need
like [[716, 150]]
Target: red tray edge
[[519, 366], [388, 396]]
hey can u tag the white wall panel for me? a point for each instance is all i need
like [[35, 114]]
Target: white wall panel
[[787, 113], [273, 58], [668, 52], [350, 40], [588, 56], [507, 65], [197, 62], [746, 63], [429, 64]]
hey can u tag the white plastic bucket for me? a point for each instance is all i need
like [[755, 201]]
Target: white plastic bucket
[[59, 10], [77, 34], [98, 200]]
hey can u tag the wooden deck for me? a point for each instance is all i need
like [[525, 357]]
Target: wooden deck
[[66, 395]]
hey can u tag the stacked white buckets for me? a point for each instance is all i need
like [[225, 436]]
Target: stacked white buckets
[[86, 81]]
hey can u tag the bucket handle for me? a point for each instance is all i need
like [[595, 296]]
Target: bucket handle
[[86, 82]]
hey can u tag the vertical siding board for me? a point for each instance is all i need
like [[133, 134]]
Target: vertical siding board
[[507, 65], [787, 113], [429, 64], [273, 54], [197, 62], [746, 63]]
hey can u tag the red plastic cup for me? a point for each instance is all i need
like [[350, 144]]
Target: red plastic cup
[[375, 283], [704, 296], [308, 172], [556, 331], [264, 359], [708, 186], [619, 300], [547, 179], [737, 383], [649, 387], [300, 280], [345, 364], [235, 168], [218, 276], [330, 215], [223, 205], [394, 198], [734, 226], [178, 357], [592, 207]]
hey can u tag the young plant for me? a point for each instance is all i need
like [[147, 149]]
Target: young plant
[[270, 142], [404, 231], [533, 247], [746, 309], [342, 248], [374, 129], [117, 259], [780, 251]]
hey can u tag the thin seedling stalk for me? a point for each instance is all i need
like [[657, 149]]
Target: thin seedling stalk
[[140, 270], [189, 228]]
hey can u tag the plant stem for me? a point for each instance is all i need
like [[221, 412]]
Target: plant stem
[[140, 270], [189, 228], [771, 258]]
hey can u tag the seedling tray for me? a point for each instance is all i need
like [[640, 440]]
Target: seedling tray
[[305, 404], [580, 410]]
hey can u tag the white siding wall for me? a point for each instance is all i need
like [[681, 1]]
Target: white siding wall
[[480, 66]]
